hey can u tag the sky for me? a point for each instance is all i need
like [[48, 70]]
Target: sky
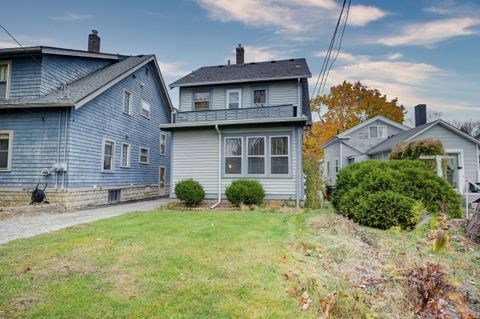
[[419, 51]]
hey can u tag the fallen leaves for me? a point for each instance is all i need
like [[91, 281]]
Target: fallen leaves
[[305, 300]]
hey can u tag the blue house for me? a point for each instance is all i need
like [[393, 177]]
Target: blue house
[[242, 120], [85, 123]]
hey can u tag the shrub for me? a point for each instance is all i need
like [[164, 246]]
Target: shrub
[[357, 183], [314, 183], [244, 191], [414, 149], [190, 192]]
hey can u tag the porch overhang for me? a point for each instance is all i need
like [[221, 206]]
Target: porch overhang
[[184, 125]]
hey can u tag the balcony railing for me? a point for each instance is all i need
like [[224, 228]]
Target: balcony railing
[[236, 114]]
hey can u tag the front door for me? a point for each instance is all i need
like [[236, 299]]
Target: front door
[[453, 170], [161, 181]]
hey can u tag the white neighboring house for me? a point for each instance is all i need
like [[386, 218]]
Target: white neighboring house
[[375, 138]]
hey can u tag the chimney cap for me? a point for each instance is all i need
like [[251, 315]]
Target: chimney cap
[[95, 32]]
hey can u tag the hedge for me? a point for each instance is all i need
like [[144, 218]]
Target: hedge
[[190, 192], [245, 191]]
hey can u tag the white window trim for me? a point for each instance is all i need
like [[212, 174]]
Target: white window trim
[[140, 155], [209, 100], [273, 156], [166, 137], [239, 91], [142, 101], [104, 140], [129, 153], [236, 156], [377, 126], [264, 155], [130, 102], [10, 150], [9, 78]]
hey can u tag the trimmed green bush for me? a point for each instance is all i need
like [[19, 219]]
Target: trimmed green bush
[[245, 191], [190, 192], [411, 179]]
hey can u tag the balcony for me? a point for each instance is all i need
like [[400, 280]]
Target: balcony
[[266, 112]]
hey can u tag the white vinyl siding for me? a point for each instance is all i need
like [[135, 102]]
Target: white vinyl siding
[[143, 155], [6, 145], [204, 166], [108, 155], [5, 67], [127, 102], [163, 143], [146, 109], [125, 155]]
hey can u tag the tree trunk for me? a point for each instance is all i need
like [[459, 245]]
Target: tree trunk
[[473, 226]]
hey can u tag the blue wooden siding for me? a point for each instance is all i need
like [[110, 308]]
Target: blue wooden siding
[[25, 77], [35, 145], [103, 118], [66, 69]]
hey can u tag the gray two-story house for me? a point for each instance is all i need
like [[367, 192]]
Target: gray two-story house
[[242, 120], [375, 138], [83, 123]]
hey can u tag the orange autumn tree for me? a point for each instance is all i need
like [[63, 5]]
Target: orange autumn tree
[[345, 106]]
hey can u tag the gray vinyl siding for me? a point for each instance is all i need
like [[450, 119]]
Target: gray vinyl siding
[[284, 92], [195, 155], [347, 152], [364, 145], [450, 141]]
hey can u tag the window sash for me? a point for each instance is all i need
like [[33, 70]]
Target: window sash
[[201, 100], [108, 155], [146, 109], [233, 156], [126, 155], [234, 98], [163, 143], [256, 155], [5, 146], [260, 97], [127, 102], [4, 79], [144, 155], [283, 154]]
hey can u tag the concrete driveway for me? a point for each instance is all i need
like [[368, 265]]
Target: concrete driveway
[[29, 226]]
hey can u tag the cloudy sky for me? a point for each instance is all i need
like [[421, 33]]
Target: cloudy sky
[[421, 51]]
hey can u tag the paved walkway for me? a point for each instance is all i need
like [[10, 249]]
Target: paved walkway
[[29, 226]]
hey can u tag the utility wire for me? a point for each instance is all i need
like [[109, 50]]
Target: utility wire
[[61, 83]]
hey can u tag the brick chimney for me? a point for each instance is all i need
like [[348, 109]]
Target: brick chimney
[[240, 54], [94, 42], [420, 114]]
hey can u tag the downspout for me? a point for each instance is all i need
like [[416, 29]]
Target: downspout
[[299, 97], [58, 146], [65, 149], [219, 167], [297, 195]]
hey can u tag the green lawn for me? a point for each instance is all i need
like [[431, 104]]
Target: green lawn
[[226, 265], [155, 264]]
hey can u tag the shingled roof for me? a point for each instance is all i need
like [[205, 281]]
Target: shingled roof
[[247, 72]]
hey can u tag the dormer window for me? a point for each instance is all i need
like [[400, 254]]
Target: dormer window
[[201, 101], [4, 79], [260, 97], [377, 131], [234, 98]]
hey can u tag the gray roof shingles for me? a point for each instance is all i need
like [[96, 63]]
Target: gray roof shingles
[[247, 72]]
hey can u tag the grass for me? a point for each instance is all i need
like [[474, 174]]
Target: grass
[[221, 265]]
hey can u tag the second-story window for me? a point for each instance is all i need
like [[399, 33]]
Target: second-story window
[[127, 102], [234, 99], [260, 97], [201, 101], [145, 109], [4, 79], [377, 131]]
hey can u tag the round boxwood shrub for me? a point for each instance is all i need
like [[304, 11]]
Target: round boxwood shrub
[[190, 192], [245, 191], [357, 183]]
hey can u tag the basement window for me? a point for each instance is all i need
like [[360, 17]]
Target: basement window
[[114, 196]]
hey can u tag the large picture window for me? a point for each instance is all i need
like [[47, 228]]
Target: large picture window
[[279, 152], [256, 155], [233, 155], [5, 150], [108, 161], [201, 101]]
